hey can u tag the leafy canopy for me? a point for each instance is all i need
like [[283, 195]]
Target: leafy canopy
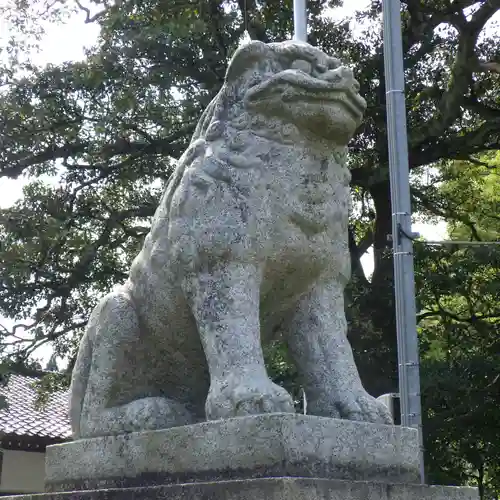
[[97, 139]]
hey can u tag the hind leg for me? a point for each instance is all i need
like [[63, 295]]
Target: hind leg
[[120, 394]]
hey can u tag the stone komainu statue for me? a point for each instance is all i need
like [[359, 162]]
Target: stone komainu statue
[[249, 239]]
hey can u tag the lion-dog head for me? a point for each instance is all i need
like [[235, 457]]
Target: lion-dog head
[[292, 83]]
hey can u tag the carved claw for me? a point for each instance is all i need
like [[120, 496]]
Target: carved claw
[[359, 405], [246, 394]]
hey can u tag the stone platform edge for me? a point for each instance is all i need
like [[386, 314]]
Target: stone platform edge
[[272, 445], [270, 489]]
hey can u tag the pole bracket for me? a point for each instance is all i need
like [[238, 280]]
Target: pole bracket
[[411, 236]]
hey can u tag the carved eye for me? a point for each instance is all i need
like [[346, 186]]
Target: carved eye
[[302, 65], [334, 63]]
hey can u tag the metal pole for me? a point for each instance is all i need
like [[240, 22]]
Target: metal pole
[[300, 20], [408, 356]]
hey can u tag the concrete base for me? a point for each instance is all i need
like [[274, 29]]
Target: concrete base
[[261, 446], [283, 488], [264, 457]]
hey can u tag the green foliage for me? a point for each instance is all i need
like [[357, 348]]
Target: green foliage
[[457, 293], [282, 370], [47, 385], [4, 378], [98, 139], [461, 422]]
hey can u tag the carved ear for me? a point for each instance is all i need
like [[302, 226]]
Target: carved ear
[[245, 58]]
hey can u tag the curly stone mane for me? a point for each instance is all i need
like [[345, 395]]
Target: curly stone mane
[[236, 134]]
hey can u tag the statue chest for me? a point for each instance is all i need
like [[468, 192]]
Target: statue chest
[[309, 190]]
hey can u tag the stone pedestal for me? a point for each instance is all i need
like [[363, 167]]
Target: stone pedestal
[[271, 457], [279, 488], [260, 446]]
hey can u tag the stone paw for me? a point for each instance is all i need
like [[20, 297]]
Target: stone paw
[[158, 413], [359, 405], [146, 414], [246, 393]]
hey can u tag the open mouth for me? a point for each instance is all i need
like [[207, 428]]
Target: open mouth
[[350, 100], [299, 86]]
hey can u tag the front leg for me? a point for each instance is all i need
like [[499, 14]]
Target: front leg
[[225, 304], [317, 338]]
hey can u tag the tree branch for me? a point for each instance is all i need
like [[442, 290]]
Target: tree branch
[[366, 242], [483, 15], [91, 18], [461, 73], [255, 29], [164, 146], [445, 212], [489, 66]]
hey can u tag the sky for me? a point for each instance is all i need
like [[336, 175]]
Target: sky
[[66, 42]]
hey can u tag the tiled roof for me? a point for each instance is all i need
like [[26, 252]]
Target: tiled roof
[[22, 419]]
